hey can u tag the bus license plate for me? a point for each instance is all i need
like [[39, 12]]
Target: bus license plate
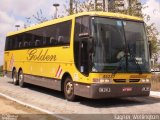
[[127, 89]]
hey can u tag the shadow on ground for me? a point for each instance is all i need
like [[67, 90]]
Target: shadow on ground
[[100, 103]]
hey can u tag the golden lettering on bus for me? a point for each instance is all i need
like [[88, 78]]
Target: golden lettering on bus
[[40, 55]]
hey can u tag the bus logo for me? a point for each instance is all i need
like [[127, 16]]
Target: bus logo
[[40, 55]]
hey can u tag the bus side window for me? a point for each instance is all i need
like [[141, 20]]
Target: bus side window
[[25, 44], [14, 43], [53, 41], [29, 44], [37, 43], [20, 45], [64, 32], [60, 40], [44, 42]]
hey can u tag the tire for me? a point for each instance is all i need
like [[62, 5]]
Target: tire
[[69, 89], [21, 79], [14, 77]]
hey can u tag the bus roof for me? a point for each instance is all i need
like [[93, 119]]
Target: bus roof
[[58, 20]]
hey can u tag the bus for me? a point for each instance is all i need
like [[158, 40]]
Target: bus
[[92, 54]]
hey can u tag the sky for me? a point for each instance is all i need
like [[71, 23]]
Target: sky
[[16, 12]]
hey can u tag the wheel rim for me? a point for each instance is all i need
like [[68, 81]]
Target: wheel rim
[[69, 88], [21, 78], [14, 79]]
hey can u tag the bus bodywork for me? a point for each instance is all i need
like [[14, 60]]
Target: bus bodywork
[[93, 54]]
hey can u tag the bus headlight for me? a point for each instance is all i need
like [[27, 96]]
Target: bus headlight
[[101, 80], [145, 80]]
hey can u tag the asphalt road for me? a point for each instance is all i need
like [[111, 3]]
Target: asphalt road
[[54, 101]]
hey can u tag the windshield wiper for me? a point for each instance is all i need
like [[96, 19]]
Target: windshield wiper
[[135, 60], [119, 65], [126, 55]]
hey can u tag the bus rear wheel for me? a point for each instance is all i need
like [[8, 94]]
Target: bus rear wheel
[[69, 89], [14, 77], [21, 78]]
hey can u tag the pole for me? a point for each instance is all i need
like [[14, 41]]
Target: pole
[[71, 7], [95, 7], [56, 12], [104, 5], [17, 26], [129, 3], [56, 7]]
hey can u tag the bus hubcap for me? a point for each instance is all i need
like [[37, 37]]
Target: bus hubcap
[[20, 78], [14, 79], [69, 88]]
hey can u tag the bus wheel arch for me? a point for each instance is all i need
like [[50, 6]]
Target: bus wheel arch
[[20, 70], [14, 69], [67, 87], [65, 75]]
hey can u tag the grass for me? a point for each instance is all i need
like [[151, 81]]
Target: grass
[[1, 69], [155, 82], [1, 74]]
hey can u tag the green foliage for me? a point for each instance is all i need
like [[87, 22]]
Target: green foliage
[[1, 70], [39, 17], [134, 8], [77, 6]]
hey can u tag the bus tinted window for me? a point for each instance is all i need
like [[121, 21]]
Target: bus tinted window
[[7, 43], [53, 35], [58, 34]]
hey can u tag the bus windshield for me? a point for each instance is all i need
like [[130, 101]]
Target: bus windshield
[[119, 46]]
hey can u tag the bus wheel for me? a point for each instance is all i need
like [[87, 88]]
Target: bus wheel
[[69, 89], [14, 77], [21, 78]]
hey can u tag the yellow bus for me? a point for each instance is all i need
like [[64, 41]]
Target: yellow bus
[[91, 54]]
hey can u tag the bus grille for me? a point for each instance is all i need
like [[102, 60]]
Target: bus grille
[[124, 80], [119, 80], [134, 80]]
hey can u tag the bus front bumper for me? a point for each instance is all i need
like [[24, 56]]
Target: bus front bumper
[[99, 91]]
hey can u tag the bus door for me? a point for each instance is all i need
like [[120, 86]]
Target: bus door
[[81, 43]]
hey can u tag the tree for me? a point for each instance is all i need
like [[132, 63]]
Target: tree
[[135, 9], [77, 6], [39, 17], [71, 7]]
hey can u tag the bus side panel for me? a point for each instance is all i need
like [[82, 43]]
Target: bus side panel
[[43, 81], [42, 66]]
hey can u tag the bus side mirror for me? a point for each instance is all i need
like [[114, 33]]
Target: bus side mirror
[[150, 48]]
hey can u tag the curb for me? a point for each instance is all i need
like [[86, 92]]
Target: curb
[[34, 107], [152, 93]]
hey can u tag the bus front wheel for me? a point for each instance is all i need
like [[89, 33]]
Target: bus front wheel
[[14, 77], [21, 78], [69, 89]]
